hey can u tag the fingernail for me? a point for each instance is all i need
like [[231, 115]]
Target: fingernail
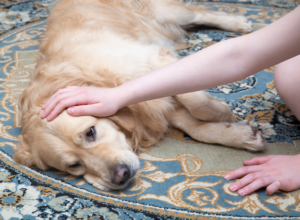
[[71, 110], [227, 176], [232, 187], [268, 194], [241, 192]]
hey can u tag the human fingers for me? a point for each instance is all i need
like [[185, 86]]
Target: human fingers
[[258, 160], [75, 99], [242, 172], [59, 99], [83, 110], [273, 187], [246, 180], [257, 184], [93, 109], [60, 91]]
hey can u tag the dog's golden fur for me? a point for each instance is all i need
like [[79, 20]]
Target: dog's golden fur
[[104, 43]]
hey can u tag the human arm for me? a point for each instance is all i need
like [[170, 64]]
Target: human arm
[[222, 63]]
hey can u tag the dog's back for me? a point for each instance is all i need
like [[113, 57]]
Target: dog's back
[[123, 37]]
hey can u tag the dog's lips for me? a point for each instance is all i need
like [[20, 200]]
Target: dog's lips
[[134, 172]]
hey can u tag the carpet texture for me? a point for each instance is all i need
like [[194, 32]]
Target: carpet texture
[[180, 178]]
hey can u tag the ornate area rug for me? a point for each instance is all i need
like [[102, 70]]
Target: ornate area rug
[[180, 178]]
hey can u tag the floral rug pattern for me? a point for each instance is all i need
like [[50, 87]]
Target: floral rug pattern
[[166, 188]]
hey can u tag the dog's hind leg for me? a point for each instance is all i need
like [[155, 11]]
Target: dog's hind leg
[[238, 135], [172, 11], [203, 107]]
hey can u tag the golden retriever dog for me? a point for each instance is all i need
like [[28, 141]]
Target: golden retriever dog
[[105, 43]]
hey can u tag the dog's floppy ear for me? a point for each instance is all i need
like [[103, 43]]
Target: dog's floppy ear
[[125, 119], [137, 127], [22, 154]]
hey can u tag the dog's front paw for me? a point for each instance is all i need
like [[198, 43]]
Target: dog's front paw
[[255, 141], [242, 135], [243, 24], [251, 137], [237, 23]]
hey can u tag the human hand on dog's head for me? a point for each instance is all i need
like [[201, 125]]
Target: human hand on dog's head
[[79, 101]]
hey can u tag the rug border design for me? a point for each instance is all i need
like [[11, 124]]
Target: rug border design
[[60, 184]]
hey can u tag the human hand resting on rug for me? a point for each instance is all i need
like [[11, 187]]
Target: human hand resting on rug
[[225, 62], [274, 172]]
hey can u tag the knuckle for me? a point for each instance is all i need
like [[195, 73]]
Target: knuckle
[[82, 92], [252, 176], [246, 190], [245, 169], [58, 96], [238, 184], [262, 181], [61, 103]]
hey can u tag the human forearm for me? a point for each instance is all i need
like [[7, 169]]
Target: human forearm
[[219, 64], [195, 72]]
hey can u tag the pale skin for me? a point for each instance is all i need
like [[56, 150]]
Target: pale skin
[[238, 58]]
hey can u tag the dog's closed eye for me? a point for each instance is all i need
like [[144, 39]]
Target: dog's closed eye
[[91, 134], [75, 165]]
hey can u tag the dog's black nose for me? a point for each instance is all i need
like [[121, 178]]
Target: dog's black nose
[[122, 174]]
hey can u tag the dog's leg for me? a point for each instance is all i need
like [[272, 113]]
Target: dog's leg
[[202, 106], [238, 135], [171, 11]]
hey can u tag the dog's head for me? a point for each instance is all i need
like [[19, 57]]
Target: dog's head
[[92, 147], [103, 150]]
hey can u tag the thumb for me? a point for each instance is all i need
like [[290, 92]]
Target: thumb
[[82, 110]]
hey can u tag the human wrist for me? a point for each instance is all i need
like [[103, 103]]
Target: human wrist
[[122, 96]]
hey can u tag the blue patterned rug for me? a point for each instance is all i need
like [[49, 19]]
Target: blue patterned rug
[[180, 178]]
